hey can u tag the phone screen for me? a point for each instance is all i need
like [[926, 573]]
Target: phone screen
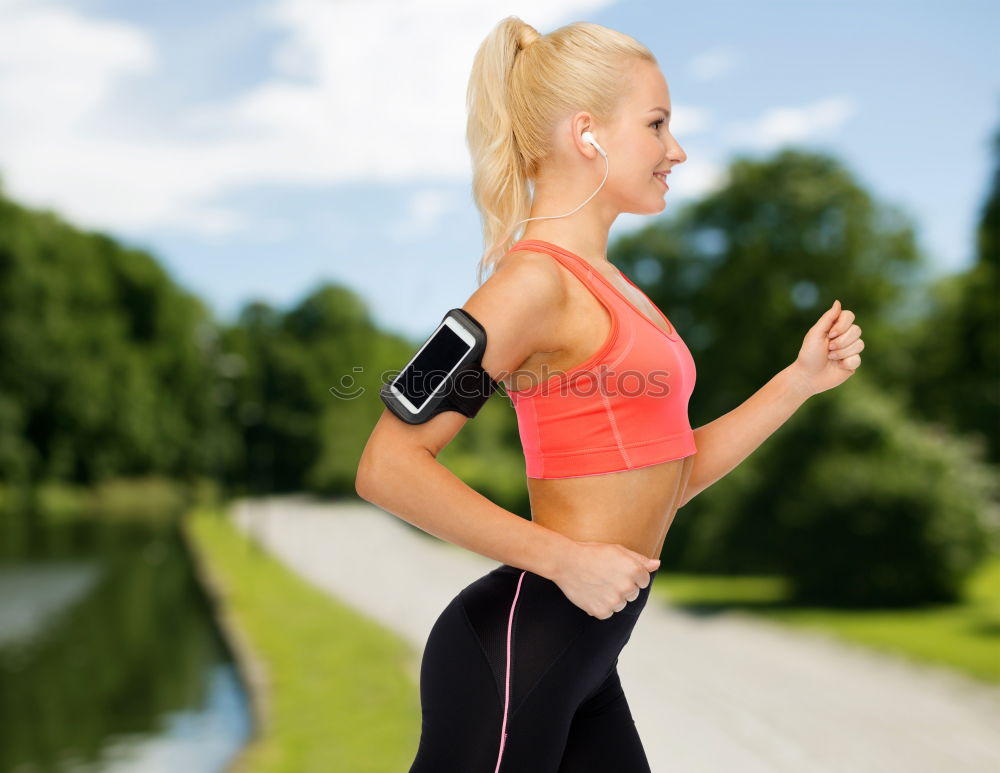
[[432, 365]]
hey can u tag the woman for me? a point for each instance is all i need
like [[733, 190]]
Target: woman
[[519, 672]]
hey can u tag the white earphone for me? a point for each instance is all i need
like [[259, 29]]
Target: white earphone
[[586, 137]]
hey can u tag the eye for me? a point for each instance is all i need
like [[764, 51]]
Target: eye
[[658, 122]]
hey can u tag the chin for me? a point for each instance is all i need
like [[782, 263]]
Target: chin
[[646, 209], [648, 205]]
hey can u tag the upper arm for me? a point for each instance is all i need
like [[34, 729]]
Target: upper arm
[[518, 307]]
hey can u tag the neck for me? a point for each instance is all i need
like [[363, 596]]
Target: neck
[[592, 246], [584, 233]]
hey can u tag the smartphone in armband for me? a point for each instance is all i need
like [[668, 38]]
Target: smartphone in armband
[[445, 374]]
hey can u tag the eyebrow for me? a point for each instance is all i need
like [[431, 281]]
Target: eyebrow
[[663, 109]]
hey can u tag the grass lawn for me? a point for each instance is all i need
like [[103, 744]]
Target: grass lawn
[[965, 637], [343, 693]]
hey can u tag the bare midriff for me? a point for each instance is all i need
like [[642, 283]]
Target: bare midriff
[[634, 508]]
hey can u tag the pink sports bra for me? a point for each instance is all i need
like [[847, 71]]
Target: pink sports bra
[[624, 407]]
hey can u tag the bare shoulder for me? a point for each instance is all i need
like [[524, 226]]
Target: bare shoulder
[[519, 306], [521, 258], [529, 280], [533, 270]]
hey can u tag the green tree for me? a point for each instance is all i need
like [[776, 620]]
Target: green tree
[[957, 346], [105, 369]]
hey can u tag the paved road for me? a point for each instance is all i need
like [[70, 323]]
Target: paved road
[[723, 692]]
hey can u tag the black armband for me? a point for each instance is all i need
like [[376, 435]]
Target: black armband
[[445, 374]]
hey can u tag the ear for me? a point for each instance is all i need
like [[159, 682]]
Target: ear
[[582, 122]]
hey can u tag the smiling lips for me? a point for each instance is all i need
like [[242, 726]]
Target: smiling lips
[[662, 177]]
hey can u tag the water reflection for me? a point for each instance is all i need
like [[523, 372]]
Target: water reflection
[[109, 660], [32, 595]]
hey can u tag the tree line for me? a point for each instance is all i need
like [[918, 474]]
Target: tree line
[[112, 370]]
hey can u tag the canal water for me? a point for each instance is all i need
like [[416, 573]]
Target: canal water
[[109, 656]]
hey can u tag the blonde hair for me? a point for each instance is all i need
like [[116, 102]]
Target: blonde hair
[[522, 83]]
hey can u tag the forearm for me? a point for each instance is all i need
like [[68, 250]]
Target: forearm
[[416, 487], [724, 443]]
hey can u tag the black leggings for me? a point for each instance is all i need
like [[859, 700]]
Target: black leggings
[[562, 710]]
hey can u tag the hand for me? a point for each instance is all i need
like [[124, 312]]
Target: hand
[[602, 577], [830, 350]]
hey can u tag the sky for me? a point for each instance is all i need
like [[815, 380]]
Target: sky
[[257, 148]]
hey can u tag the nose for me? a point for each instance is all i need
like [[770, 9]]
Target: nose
[[676, 152]]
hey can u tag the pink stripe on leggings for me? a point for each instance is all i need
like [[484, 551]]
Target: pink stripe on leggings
[[506, 697]]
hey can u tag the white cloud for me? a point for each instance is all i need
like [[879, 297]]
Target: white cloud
[[697, 177], [57, 67], [780, 125], [713, 63], [689, 120], [359, 90], [424, 211]]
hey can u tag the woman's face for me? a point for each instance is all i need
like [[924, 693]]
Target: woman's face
[[639, 143]]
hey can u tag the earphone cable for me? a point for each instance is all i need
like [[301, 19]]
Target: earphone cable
[[607, 169]]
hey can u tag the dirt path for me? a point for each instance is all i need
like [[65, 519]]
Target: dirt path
[[722, 692]]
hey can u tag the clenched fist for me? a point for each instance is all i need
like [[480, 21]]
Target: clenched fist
[[830, 352]]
